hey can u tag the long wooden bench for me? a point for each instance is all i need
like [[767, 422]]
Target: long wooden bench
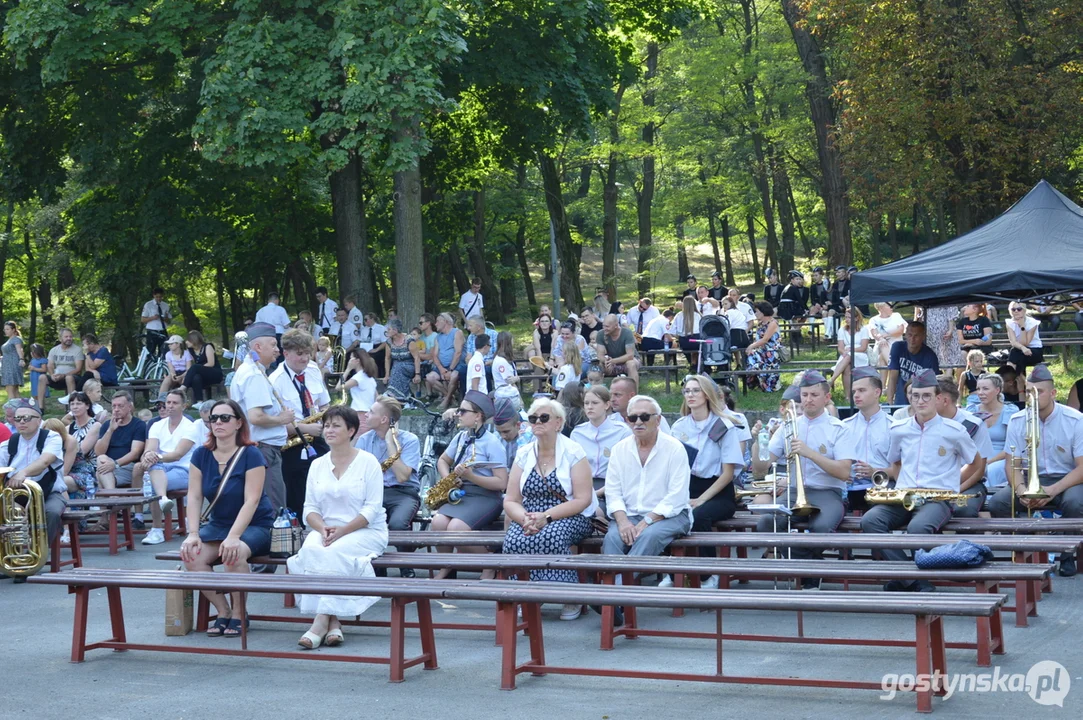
[[400, 592], [852, 523]]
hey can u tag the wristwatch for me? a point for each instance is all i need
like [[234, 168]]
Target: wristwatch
[[548, 518], [648, 519]]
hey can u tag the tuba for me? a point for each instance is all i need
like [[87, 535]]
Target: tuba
[[1034, 484], [793, 461], [24, 541], [881, 493], [449, 488]]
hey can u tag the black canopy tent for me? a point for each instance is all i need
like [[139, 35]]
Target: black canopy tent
[[1033, 250]]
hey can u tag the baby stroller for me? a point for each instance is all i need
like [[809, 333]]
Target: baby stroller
[[716, 349]]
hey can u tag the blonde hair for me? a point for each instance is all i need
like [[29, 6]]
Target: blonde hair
[[714, 401], [573, 358], [853, 316], [975, 355], [324, 343]]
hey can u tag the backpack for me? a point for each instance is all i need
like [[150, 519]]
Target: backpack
[[49, 478], [717, 329]]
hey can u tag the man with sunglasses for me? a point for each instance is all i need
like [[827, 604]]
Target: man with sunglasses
[[36, 458]]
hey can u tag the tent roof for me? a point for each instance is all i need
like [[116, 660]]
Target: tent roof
[[1043, 230]]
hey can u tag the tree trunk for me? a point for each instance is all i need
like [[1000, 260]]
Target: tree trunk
[[914, 230], [781, 186], [805, 242], [645, 196], [941, 223], [728, 252], [520, 241], [479, 260], [750, 226], [927, 225], [893, 234], [351, 236], [220, 293], [824, 115], [409, 246], [683, 270], [609, 226], [9, 228], [554, 201], [184, 301], [458, 272], [236, 308], [507, 284], [876, 221], [712, 230]]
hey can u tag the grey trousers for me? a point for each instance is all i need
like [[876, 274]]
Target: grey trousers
[[970, 510], [653, 540], [1069, 502], [830, 513], [273, 484], [54, 508], [400, 504], [926, 520]]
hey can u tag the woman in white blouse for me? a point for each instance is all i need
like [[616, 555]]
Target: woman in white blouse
[[885, 328], [686, 327], [597, 436], [344, 509], [549, 498], [855, 337], [1026, 350]]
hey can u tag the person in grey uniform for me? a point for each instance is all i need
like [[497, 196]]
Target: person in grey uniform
[[972, 481], [926, 451]]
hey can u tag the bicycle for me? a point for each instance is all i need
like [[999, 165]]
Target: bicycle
[[431, 449], [155, 370]]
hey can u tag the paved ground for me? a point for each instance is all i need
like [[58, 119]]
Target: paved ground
[[38, 680]]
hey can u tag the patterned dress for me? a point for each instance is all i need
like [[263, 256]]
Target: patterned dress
[[939, 320], [83, 467], [766, 357], [539, 495], [9, 368], [402, 366]]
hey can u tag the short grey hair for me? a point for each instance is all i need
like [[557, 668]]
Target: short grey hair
[[647, 399], [555, 407], [395, 324]]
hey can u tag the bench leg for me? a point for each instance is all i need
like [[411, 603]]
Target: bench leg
[[182, 520], [116, 615], [114, 547], [428, 638], [927, 654], [1024, 597], [129, 536], [54, 555], [505, 617], [532, 615], [607, 578], [75, 548], [630, 623], [939, 654], [203, 612], [398, 639], [78, 634]]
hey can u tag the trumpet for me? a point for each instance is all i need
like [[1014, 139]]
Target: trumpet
[[881, 493], [24, 544], [793, 461]]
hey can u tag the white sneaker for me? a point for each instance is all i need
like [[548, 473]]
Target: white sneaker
[[166, 504], [62, 400], [570, 612], [155, 536], [65, 538], [710, 583], [666, 581]]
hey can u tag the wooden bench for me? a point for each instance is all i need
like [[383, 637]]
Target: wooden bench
[[178, 497], [117, 510], [400, 592], [70, 520], [852, 523]]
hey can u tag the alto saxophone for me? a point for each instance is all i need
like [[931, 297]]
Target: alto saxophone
[[881, 493], [449, 488], [391, 459], [24, 542], [297, 439]]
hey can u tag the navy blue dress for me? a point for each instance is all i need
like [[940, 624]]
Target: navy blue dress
[[257, 536]]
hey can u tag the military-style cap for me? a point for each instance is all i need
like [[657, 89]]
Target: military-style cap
[[792, 393], [260, 330], [481, 401], [26, 405], [796, 274], [812, 377], [504, 411], [924, 379], [862, 373], [1040, 373]]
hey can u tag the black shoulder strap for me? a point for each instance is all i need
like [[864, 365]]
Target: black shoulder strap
[[43, 435], [718, 430], [13, 446], [971, 427]]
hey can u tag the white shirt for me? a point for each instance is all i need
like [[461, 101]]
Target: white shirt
[[150, 309], [980, 436], [659, 485], [826, 435], [649, 316], [657, 328], [502, 370], [932, 456], [363, 394], [276, 315], [1060, 439], [325, 314], [468, 305], [360, 491], [28, 453], [706, 307], [597, 442], [568, 453], [861, 357], [168, 441], [347, 333], [869, 438], [250, 390], [476, 369], [711, 456], [284, 382], [884, 326], [737, 319], [1013, 326], [680, 329], [558, 345], [372, 335]]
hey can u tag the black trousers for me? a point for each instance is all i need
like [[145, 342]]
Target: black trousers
[[200, 378], [156, 342], [649, 344], [295, 474]]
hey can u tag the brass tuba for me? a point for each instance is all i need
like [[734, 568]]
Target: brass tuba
[[448, 489], [793, 461], [24, 540], [1034, 483]]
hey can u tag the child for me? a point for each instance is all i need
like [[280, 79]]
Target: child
[[968, 381], [595, 377], [571, 369], [505, 381], [475, 368], [145, 415], [38, 363], [325, 359]]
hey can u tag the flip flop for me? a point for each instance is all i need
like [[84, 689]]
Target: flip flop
[[219, 627], [333, 638], [310, 640]]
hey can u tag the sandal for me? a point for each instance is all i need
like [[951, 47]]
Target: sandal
[[333, 638], [233, 629], [219, 627], [311, 641]]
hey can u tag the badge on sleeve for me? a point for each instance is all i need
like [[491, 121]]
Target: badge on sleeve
[[1061, 450], [942, 451], [684, 438]]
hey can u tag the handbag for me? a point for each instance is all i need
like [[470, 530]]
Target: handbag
[[206, 516], [286, 535], [962, 554]]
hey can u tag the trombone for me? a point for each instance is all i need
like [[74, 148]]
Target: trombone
[[793, 461], [1033, 439]]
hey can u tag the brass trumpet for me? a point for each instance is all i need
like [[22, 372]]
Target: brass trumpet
[[793, 461], [24, 546]]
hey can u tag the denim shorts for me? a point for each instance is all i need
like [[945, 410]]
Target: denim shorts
[[258, 539]]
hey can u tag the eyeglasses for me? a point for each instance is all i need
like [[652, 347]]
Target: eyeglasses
[[463, 411], [692, 390], [224, 418], [535, 419], [642, 417], [25, 418]]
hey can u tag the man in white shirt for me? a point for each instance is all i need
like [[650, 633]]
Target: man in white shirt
[[654, 335], [274, 314], [641, 316], [167, 457], [325, 311], [646, 486], [475, 366], [36, 454], [972, 480], [868, 430], [268, 419], [472, 303], [344, 330], [155, 318]]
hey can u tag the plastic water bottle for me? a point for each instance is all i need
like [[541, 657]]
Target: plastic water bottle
[[763, 441], [91, 487], [148, 489]]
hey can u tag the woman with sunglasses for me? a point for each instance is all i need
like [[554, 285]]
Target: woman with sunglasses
[[597, 436], [550, 501], [344, 508], [1026, 344], [240, 516], [477, 456]]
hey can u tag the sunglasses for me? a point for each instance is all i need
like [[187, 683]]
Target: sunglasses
[[224, 418], [463, 411], [642, 417], [25, 418], [535, 419]]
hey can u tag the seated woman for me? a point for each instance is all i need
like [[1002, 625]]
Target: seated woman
[[477, 456], [359, 378], [571, 398], [550, 500], [996, 413], [1026, 345], [205, 371], [597, 436], [345, 511], [177, 362], [855, 337], [240, 516]]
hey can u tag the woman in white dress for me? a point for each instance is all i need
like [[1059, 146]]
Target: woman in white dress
[[885, 328], [344, 509]]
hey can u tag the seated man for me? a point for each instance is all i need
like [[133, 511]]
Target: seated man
[[64, 367], [926, 451], [168, 455], [972, 481], [1060, 459], [823, 446], [100, 363], [120, 443], [617, 349], [36, 454], [399, 453], [868, 435]]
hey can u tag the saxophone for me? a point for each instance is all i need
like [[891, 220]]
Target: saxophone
[[24, 544], [391, 459], [296, 440], [449, 488], [910, 498]]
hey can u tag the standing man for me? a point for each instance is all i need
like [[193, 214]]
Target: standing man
[[100, 363], [907, 360], [1060, 459], [401, 483], [616, 350], [927, 451], [251, 389], [353, 313], [155, 317], [471, 303], [299, 384], [36, 454], [120, 443], [868, 429], [973, 474], [325, 311], [274, 314], [64, 369], [717, 289]]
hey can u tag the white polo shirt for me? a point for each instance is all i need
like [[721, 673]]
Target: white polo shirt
[[274, 315], [250, 390], [1060, 439], [826, 435], [931, 456]]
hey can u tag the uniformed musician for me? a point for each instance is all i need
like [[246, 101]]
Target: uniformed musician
[[1060, 459], [868, 430], [972, 480], [508, 425], [597, 436], [325, 311], [926, 451]]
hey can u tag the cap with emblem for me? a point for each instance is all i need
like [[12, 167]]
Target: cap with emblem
[[690, 277], [504, 411], [260, 330], [924, 379], [1040, 373], [796, 274], [481, 401], [840, 267], [812, 377], [26, 405]]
